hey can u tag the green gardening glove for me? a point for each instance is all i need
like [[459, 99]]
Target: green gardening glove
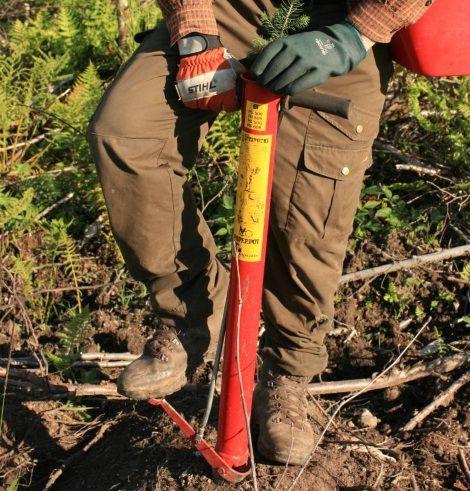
[[306, 60]]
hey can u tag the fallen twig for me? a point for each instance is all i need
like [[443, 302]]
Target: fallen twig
[[373, 451], [29, 361], [10, 350], [32, 363], [47, 210], [418, 371], [411, 163], [442, 400], [414, 484], [378, 481], [418, 168], [66, 390], [32, 141], [102, 364], [464, 465], [414, 262], [54, 172], [108, 356], [459, 232], [38, 354], [32, 383], [58, 472]]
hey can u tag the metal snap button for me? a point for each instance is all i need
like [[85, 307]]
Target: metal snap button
[[359, 128], [345, 171]]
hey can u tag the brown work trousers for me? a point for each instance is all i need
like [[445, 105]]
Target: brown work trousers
[[144, 141]]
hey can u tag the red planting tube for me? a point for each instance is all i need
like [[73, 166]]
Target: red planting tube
[[260, 112]]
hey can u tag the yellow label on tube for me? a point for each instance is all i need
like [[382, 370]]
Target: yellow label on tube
[[252, 190]]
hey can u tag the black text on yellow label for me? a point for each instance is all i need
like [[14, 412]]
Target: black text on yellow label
[[252, 190], [256, 116]]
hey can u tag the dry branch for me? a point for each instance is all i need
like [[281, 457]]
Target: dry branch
[[418, 371], [101, 364], [65, 390], [108, 356], [55, 172], [30, 363], [372, 451], [90, 360], [443, 399], [47, 210], [459, 232], [74, 457], [464, 465], [414, 262], [25, 379], [31, 142], [411, 163]]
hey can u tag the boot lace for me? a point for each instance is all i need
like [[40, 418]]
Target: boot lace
[[287, 402], [164, 340]]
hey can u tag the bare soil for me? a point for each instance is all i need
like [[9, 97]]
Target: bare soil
[[124, 445]]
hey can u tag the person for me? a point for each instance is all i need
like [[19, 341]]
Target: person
[[146, 134]]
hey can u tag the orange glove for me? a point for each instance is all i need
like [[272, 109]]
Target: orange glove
[[207, 74]]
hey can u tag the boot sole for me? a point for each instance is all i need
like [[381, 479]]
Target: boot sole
[[142, 395], [281, 457]]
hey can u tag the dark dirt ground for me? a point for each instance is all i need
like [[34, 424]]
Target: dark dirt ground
[[122, 445]]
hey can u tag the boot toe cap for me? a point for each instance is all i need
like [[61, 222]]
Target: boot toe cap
[[286, 444], [145, 378]]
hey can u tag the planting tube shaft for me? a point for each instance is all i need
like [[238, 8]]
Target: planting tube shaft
[[260, 112]]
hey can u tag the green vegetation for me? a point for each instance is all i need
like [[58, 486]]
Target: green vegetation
[[55, 61], [60, 266]]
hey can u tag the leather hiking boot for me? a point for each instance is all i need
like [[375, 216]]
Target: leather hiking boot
[[159, 371], [280, 410]]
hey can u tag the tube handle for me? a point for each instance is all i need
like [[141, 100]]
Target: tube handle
[[319, 102]]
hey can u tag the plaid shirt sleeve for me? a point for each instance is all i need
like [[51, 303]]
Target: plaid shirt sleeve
[[185, 16], [380, 19], [376, 19]]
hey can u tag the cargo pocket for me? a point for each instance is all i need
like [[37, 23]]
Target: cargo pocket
[[326, 191]]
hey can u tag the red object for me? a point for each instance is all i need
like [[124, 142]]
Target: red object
[[209, 454], [260, 110], [439, 43]]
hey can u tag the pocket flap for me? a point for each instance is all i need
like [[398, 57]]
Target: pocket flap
[[361, 125], [337, 163]]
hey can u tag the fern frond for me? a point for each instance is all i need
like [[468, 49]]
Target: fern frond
[[71, 339], [74, 332], [63, 249], [15, 210]]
